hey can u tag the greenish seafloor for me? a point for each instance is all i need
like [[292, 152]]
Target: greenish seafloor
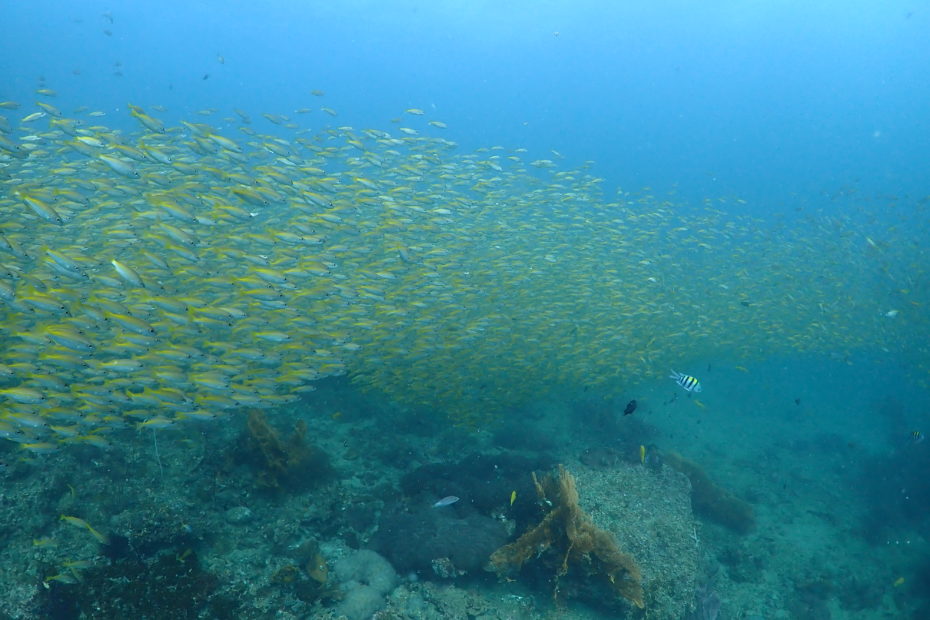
[[197, 527]]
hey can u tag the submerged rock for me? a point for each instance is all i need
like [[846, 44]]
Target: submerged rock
[[239, 515], [630, 510], [649, 513], [437, 542], [568, 545]]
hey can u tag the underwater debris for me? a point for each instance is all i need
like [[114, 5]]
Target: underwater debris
[[710, 500], [568, 542], [281, 462]]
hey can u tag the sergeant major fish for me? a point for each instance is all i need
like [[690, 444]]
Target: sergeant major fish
[[689, 383]]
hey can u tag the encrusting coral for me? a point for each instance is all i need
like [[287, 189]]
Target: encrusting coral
[[567, 542]]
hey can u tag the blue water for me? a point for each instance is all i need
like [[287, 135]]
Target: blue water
[[787, 105]]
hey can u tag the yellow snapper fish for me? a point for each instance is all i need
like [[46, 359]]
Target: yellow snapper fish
[[689, 383], [81, 523], [185, 272]]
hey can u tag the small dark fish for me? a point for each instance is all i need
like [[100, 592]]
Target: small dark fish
[[745, 303], [206, 76], [797, 401], [630, 407], [446, 501]]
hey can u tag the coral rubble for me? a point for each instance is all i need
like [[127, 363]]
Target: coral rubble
[[567, 542]]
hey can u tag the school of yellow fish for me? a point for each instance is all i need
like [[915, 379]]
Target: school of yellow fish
[[167, 273]]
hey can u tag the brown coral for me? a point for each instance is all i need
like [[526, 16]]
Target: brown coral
[[279, 462], [568, 542], [710, 500]]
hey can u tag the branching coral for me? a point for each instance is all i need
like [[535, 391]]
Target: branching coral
[[568, 542], [279, 462]]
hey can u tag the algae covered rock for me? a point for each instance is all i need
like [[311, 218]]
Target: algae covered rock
[[712, 501], [437, 542], [568, 543], [649, 513], [622, 538]]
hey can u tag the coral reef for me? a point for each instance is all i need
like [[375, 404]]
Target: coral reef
[[167, 584], [279, 462], [568, 543], [710, 500]]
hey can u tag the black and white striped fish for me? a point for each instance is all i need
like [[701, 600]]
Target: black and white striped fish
[[689, 383]]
